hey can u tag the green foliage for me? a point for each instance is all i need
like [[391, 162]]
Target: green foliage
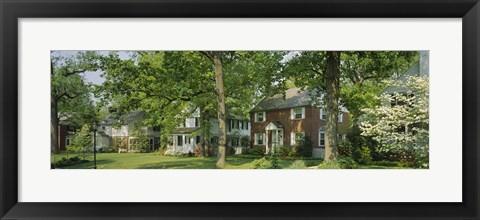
[[139, 141], [69, 89], [82, 141], [339, 163], [261, 163], [298, 164], [305, 147], [274, 161], [271, 161], [310, 163], [365, 156], [346, 163], [345, 148], [64, 162], [284, 151]]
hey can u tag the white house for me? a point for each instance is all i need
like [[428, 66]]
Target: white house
[[186, 137], [118, 133]]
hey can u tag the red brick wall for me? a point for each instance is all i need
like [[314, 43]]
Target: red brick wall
[[310, 124]]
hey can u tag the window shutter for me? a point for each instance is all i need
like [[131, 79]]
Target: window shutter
[[321, 113], [264, 116], [303, 112], [340, 117], [256, 117], [292, 114]]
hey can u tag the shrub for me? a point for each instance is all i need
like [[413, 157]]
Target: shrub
[[275, 161], [64, 162], [346, 163], [311, 163], [284, 151], [293, 152], [298, 164], [345, 148], [74, 159], [365, 156], [304, 148], [262, 163], [270, 162]]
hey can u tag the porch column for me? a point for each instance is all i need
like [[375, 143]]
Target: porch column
[[266, 141]]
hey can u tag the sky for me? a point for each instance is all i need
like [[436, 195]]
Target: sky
[[93, 77]]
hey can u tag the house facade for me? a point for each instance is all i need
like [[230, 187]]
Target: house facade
[[281, 122], [121, 134], [66, 131], [187, 138]]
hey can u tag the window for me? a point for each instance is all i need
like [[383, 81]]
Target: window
[[197, 122], [157, 140], [323, 114], [260, 117], [259, 138], [179, 140], [297, 113], [188, 140], [340, 117], [296, 137], [68, 141], [240, 124], [156, 128], [321, 138], [197, 140]]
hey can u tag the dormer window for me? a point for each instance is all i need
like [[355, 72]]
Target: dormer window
[[297, 113], [260, 116]]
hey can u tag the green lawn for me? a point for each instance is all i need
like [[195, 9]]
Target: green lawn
[[156, 161]]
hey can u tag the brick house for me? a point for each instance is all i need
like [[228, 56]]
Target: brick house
[[277, 121]]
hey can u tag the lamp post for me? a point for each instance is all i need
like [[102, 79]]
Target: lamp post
[[94, 126]]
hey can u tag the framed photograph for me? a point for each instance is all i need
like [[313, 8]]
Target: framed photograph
[[226, 109]]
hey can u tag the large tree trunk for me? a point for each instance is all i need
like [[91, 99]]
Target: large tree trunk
[[205, 126], [54, 124], [332, 87], [219, 87]]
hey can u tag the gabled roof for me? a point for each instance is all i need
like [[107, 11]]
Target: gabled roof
[[294, 97]]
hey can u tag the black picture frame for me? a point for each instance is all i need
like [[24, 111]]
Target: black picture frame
[[12, 10]]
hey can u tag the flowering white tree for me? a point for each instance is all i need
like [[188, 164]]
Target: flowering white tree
[[401, 125]]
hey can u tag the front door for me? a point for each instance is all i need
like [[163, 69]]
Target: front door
[[277, 139]]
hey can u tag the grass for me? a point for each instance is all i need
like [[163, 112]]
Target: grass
[[156, 161]]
